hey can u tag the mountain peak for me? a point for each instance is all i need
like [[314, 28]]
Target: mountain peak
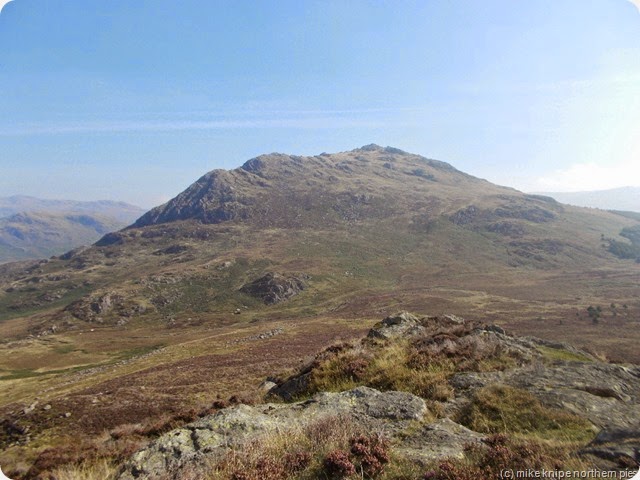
[[372, 147], [260, 162]]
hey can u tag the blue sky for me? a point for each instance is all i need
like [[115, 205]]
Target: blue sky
[[134, 100]]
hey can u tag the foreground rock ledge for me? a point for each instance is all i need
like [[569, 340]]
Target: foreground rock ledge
[[210, 438], [559, 375]]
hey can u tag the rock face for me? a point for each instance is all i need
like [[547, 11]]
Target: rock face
[[275, 288], [614, 443], [211, 199], [210, 437]]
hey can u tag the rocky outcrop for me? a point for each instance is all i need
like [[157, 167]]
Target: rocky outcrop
[[527, 211], [275, 288], [405, 324], [604, 397], [97, 308], [391, 413], [172, 250], [400, 324], [614, 443], [607, 395]]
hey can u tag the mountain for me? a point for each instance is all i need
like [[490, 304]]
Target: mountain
[[35, 228], [625, 198], [249, 272], [122, 212], [333, 230]]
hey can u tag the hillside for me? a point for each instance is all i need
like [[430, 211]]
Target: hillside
[[252, 270]]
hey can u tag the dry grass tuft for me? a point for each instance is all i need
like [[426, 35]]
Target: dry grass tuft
[[89, 470]]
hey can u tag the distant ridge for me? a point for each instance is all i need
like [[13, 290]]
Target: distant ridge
[[121, 211], [32, 227], [623, 198]]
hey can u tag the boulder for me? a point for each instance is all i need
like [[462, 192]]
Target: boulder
[[616, 443], [441, 439], [292, 388], [398, 325], [275, 288]]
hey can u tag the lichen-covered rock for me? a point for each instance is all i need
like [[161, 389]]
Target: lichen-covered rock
[[608, 395], [398, 325], [441, 439], [212, 436]]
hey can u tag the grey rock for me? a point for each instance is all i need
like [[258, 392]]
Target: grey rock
[[608, 395], [398, 325], [267, 386], [495, 329], [441, 439], [212, 436], [613, 443], [292, 388], [30, 408], [275, 288]]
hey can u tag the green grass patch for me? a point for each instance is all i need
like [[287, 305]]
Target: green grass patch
[[63, 349], [504, 409], [18, 374], [125, 355], [553, 354], [138, 351]]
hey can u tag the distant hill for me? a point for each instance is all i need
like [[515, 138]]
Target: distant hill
[[625, 198], [36, 228], [30, 235], [120, 211]]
